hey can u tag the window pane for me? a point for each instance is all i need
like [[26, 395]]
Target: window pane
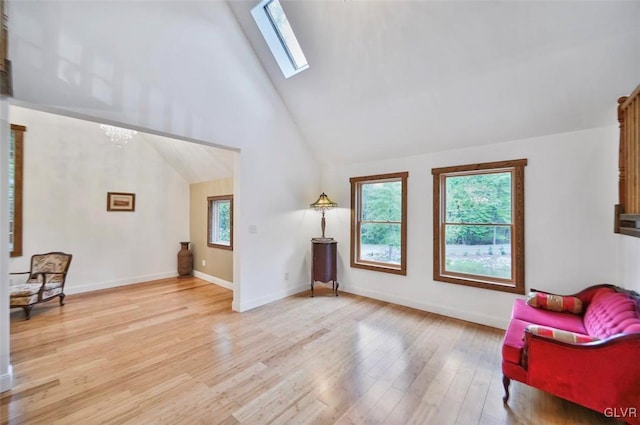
[[212, 218], [480, 198], [220, 224], [378, 225], [288, 38], [224, 222], [478, 250], [380, 242], [382, 201]]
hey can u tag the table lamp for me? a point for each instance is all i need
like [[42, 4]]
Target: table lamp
[[323, 203]]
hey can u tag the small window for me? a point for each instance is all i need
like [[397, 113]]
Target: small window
[[16, 152], [379, 222], [220, 223], [277, 32], [479, 225]]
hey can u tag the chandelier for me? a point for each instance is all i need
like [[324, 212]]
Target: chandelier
[[119, 136]]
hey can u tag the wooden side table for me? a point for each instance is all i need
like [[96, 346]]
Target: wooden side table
[[324, 265]]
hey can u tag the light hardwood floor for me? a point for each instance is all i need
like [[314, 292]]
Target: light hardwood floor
[[173, 352]]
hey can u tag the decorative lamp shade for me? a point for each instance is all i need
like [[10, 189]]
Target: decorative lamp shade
[[323, 203]]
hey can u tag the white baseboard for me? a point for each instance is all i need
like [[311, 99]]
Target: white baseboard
[[235, 306], [266, 299], [6, 380], [77, 289], [212, 279], [483, 319]]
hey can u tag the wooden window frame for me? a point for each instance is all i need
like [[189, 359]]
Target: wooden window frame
[[18, 179], [356, 223], [211, 200], [516, 284]]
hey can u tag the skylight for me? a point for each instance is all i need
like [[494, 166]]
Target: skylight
[[277, 32]]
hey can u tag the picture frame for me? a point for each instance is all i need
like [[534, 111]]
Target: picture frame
[[121, 201]]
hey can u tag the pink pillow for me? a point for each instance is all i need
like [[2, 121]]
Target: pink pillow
[[560, 335], [555, 302]]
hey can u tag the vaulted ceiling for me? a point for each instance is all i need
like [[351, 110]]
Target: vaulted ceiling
[[387, 78], [395, 78]]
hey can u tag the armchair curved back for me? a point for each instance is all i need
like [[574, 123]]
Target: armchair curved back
[[53, 266]]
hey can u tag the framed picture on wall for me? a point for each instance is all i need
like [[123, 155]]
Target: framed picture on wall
[[119, 201]]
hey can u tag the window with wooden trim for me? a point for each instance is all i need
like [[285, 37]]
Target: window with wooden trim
[[16, 155], [220, 222], [478, 225], [379, 222], [627, 213]]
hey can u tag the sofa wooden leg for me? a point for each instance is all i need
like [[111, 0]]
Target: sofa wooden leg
[[62, 298], [27, 311], [505, 383]]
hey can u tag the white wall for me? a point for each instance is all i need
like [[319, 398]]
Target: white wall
[[278, 181], [69, 167], [185, 69], [630, 262], [570, 190]]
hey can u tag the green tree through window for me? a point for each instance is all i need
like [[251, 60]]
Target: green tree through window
[[478, 199], [381, 217], [220, 222], [379, 226], [479, 225], [224, 221]]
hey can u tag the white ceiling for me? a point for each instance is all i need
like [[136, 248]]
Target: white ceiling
[[194, 162], [387, 78], [396, 78]]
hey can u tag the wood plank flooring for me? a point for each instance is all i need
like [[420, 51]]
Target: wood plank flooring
[[173, 352]]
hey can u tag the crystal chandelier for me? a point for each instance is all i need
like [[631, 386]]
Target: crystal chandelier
[[119, 136]]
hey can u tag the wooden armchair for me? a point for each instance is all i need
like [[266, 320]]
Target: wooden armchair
[[45, 281]]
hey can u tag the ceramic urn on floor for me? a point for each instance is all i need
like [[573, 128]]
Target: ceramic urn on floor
[[185, 260]]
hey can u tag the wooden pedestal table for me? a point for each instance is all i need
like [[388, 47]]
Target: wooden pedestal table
[[324, 264]]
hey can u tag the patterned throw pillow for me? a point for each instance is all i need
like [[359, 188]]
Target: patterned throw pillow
[[554, 302], [560, 335]]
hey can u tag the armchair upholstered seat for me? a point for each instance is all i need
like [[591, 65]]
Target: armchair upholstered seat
[[44, 282]]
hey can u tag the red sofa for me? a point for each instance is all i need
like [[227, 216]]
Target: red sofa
[[603, 375]]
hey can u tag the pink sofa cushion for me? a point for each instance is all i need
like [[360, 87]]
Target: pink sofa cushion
[[611, 313], [565, 321]]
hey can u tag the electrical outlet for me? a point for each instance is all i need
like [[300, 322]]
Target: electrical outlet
[[286, 276], [204, 262], [253, 229]]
